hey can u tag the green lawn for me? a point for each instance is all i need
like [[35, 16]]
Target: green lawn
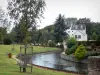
[[8, 66]]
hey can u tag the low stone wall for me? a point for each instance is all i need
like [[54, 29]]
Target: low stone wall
[[80, 66], [94, 65], [72, 58]]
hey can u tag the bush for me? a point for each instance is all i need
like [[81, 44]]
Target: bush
[[92, 53], [7, 41], [71, 50], [88, 43], [72, 45], [71, 42], [51, 43], [80, 52]]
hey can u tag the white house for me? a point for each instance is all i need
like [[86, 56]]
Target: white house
[[78, 31]]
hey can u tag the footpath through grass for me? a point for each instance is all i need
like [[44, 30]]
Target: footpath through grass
[[8, 66]]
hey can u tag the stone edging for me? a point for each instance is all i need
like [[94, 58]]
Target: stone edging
[[72, 58]]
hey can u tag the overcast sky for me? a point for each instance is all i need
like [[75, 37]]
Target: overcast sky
[[69, 8]]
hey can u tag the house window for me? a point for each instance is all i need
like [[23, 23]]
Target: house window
[[76, 36], [79, 36]]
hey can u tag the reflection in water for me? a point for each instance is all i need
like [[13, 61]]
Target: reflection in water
[[53, 60]]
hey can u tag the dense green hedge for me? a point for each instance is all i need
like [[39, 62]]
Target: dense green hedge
[[88, 43], [92, 53]]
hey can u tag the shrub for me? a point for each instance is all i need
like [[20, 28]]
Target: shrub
[[71, 50], [71, 42], [80, 52], [51, 43], [88, 43], [92, 53], [7, 41]]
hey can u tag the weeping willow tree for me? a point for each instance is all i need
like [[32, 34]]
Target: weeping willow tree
[[26, 13]]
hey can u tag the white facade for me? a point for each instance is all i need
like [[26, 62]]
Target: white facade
[[77, 31]]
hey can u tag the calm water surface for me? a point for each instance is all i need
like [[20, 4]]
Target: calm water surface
[[53, 60]]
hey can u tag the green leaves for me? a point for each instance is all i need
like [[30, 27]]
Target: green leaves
[[72, 45], [59, 29], [30, 9], [25, 14], [80, 52]]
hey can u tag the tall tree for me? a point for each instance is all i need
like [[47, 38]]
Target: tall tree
[[27, 11], [3, 33], [60, 28], [3, 19], [83, 21], [4, 24], [94, 36]]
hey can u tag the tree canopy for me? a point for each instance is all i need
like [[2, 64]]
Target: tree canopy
[[25, 14], [30, 10], [4, 24], [60, 28]]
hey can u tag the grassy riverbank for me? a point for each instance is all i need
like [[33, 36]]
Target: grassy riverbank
[[9, 67]]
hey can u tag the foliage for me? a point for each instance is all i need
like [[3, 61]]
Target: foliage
[[59, 29], [25, 14], [72, 45], [49, 28], [3, 33], [97, 30], [80, 52], [12, 35], [30, 10], [93, 31], [89, 43], [94, 36], [51, 43], [92, 53], [7, 41], [71, 42], [71, 50], [35, 34], [4, 23], [46, 35], [83, 21], [19, 33]]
